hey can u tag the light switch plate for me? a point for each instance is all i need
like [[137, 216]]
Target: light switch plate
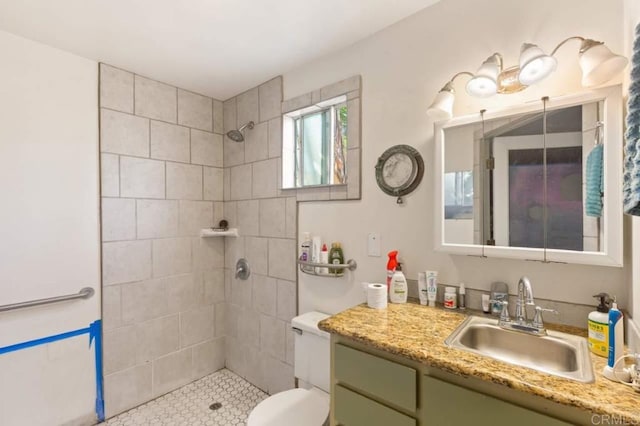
[[373, 245]]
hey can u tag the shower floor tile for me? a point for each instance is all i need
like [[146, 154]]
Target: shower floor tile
[[189, 405]]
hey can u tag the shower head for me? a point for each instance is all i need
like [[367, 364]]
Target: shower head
[[236, 135]]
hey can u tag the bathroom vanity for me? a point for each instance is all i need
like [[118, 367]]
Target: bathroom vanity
[[392, 367]]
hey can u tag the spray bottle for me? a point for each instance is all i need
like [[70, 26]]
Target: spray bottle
[[392, 264]]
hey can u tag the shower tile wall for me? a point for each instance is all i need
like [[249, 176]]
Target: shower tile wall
[[163, 286], [259, 340]]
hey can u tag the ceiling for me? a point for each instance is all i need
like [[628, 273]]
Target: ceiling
[[214, 47]]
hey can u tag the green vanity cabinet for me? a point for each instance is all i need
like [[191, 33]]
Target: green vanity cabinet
[[370, 387]]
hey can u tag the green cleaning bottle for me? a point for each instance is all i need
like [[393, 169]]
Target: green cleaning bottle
[[336, 257]]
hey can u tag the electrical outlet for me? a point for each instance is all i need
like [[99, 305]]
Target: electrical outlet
[[373, 245]]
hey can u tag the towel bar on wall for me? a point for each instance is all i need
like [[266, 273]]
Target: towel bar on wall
[[84, 293]]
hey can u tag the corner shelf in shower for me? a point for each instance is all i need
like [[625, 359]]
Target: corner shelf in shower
[[209, 232], [350, 265]]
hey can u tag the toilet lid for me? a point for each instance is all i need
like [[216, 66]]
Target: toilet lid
[[295, 407]]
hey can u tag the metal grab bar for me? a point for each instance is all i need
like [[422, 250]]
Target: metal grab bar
[[84, 293]]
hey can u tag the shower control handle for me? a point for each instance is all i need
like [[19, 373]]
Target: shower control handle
[[242, 269]]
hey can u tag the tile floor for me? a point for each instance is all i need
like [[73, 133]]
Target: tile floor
[[189, 405]]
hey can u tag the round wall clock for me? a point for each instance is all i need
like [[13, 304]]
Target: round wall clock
[[399, 171]]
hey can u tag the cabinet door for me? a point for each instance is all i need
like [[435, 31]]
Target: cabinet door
[[449, 404], [385, 380], [352, 409]]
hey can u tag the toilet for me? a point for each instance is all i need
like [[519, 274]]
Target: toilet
[[309, 404]]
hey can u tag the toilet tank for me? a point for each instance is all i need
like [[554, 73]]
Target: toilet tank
[[311, 349]]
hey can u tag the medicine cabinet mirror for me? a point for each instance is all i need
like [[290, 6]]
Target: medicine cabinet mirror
[[321, 140], [540, 181]]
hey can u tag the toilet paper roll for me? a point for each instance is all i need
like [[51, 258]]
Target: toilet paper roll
[[377, 296]]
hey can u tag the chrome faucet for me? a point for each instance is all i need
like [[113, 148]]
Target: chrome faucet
[[521, 322]]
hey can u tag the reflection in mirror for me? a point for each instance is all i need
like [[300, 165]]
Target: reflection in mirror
[[315, 145], [505, 204]]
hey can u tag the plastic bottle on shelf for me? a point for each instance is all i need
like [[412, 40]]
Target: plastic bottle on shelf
[[305, 251], [324, 258], [336, 257]]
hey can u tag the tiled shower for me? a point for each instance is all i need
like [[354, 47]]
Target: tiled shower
[[173, 311]]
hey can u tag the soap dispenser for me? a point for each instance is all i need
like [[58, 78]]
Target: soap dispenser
[[399, 289], [598, 322]]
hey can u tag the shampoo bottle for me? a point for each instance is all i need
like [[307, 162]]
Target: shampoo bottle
[[398, 292], [305, 251], [598, 322], [615, 370], [324, 258]]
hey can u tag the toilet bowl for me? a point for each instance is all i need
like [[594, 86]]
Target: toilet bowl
[[301, 407], [295, 407]]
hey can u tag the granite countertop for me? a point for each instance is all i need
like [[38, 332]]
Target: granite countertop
[[418, 333]]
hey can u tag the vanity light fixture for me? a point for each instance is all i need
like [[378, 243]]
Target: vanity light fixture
[[597, 62]]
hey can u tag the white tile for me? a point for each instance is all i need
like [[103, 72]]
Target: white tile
[[353, 174], [171, 256], [247, 107], [156, 338], [116, 89], [270, 98], [273, 217], [241, 293], [155, 100], [184, 181], [111, 307], [221, 318], [264, 294], [249, 327], [353, 123], [340, 88], [122, 133], [110, 175], [197, 325], [233, 250], [213, 183], [226, 182], [119, 349], [233, 152], [183, 291], [126, 261], [291, 217], [230, 114], [127, 389], [206, 148], [275, 137], [212, 287], [290, 349], [286, 300], [272, 336], [195, 215], [248, 217], [257, 250], [256, 143], [169, 142], [296, 103], [265, 179], [255, 373], [208, 253], [157, 218], [279, 375], [218, 212], [282, 255], [218, 117], [208, 357], [172, 371], [118, 219], [241, 182], [144, 300], [195, 110], [140, 178], [231, 212]]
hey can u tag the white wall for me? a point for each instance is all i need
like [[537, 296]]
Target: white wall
[[49, 228], [402, 68]]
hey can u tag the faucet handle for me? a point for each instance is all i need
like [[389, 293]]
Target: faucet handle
[[537, 319]]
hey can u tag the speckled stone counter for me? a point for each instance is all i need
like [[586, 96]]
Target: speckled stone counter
[[418, 333]]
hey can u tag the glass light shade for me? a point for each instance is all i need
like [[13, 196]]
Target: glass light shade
[[442, 106], [535, 65], [599, 64], [484, 83]]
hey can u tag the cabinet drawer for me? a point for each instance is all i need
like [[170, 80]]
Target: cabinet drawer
[[352, 409], [449, 404], [386, 380]]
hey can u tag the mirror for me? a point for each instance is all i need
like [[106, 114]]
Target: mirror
[[321, 142], [524, 182]]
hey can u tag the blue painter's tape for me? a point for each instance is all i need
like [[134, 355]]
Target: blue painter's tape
[[95, 334]]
